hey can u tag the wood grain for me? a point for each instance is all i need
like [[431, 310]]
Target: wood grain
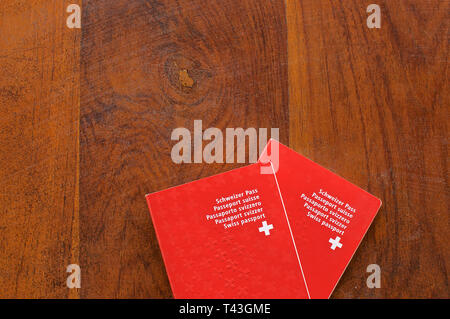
[[149, 67], [372, 105], [39, 105], [81, 144]]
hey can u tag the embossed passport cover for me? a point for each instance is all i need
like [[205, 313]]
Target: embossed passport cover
[[288, 233], [328, 215], [226, 236]]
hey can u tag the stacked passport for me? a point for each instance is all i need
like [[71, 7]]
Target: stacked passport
[[284, 227]]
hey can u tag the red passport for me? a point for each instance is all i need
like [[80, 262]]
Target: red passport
[[328, 215], [281, 228], [226, 236]]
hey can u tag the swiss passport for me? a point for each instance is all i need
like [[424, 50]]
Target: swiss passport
[[328, 216], [281, 228]]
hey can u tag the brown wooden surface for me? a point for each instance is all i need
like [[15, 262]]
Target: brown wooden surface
[[39, 105], [372, 106], [95, 108], [132, 98]]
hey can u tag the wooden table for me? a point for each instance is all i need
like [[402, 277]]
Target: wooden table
[[86, 117]]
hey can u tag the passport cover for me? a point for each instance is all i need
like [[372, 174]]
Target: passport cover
[[226, 236], [328, 215], [284, 227]]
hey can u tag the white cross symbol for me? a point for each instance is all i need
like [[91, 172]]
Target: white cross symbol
[[335, 243], [265, 228]]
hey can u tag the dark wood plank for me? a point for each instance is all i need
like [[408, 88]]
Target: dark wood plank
[[369, 104], [372, 105], [149, 67], [39, 117]]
